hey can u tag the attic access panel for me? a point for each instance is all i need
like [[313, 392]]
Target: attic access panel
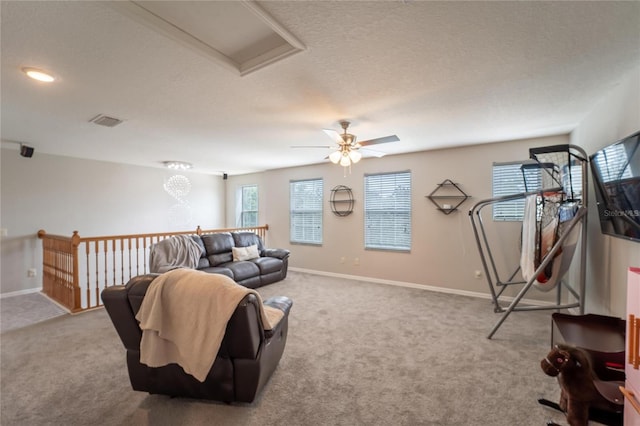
[[239, 35]]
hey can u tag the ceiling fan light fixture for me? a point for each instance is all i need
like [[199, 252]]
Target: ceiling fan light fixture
[[348, 138], [346, 151], [335, 157], [355, 156]]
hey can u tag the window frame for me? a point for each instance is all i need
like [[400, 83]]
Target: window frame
[[312, 209], [401, 208], [243, 212]]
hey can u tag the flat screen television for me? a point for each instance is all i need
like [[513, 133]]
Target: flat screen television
[[616, 175]]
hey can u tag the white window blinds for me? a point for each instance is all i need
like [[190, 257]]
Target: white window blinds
[[305, 208], [249, 214], [509, 179], [387, 211], [572, 180]]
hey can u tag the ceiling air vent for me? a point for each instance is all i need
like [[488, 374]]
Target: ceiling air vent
[[104, 120]]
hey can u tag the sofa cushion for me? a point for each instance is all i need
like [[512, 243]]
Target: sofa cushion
[[245, 253], [219, 270], [246, 238], [252, 282], [268, 264], [243, 270], [218, 247]]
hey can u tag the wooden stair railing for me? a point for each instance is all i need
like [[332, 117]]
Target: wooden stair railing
[[76, 269]]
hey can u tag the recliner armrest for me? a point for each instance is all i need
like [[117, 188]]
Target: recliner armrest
[[116, 303], [278, 253], [282, 303]]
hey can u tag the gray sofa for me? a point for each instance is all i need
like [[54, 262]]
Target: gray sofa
[[217, 257]]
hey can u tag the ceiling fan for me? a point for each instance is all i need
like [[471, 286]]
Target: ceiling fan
[[346, 151]]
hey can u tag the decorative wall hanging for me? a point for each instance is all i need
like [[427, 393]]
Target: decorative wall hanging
[[341, 200], [448, 196]]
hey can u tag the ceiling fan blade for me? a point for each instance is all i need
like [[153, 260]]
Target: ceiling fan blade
[[373, 153], [311, 146], [386, 139], [334, 135]]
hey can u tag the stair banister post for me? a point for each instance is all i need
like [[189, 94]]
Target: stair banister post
[[75, 242]]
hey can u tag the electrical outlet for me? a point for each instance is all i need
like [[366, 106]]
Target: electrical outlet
[[32, 272], [356, 261], [343, 259], [478, 274]]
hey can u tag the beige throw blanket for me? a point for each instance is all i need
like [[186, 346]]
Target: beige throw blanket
[[184, 315]]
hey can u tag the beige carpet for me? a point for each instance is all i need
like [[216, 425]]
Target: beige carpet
[[358, 354], [27, 309]]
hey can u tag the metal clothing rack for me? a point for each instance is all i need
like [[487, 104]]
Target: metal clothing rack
[[560, 169]]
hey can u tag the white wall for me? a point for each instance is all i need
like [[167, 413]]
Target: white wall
[[61, 194], [612, 118], [443, 253]]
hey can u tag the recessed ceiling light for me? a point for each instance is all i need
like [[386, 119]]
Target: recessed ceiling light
[[39, 75]]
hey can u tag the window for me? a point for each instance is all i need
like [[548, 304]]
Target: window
[[305, 209], [249, 211], [509, 179], [387, 211], [572, 180]]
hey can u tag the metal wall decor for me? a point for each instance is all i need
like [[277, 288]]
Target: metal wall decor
[[341, 200], [447, 196]]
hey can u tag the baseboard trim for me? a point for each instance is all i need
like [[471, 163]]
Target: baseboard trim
[[458, 292], [20, 292]]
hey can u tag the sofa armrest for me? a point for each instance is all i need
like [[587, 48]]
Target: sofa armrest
[[116, 303], [278, 253], [282, 303], [242, 336]]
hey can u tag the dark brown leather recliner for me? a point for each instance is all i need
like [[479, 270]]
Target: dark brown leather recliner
[[247, 357]]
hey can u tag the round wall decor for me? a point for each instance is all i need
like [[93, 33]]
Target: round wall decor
[[341, 200]]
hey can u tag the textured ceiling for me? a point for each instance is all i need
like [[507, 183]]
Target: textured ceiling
[[437, 74]]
